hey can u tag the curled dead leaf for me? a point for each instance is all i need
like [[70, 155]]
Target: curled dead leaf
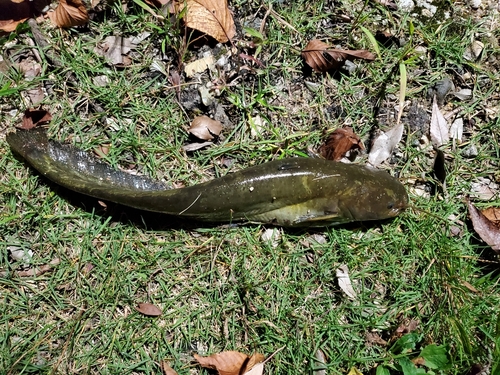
[[487, 230], [211, 17], [339, 143], [253, 361], [319, 56], [345, 281], [204, 128], [148, 309], [69, 13]]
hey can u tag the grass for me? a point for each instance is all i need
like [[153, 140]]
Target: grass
[[225, 288]]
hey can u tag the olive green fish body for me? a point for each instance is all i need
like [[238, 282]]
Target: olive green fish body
[[288, 192]]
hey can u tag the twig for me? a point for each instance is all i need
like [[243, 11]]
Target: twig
[[281, 20], [263, 23], [37, 271]]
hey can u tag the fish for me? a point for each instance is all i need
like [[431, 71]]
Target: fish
[[289, 192]]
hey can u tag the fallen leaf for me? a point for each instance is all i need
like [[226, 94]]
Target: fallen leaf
[[319, 56], [69, 13], [345, 281], [21, 255], [484, 188], [254, 360], [488, 231], [199, 66], [439, 127], [226, 363], [37, 271], [407, 326], [457, 129], [10, 25], [258, 369], [463, 94], [272, 236], [148, 309], [204, 128], [196, 146], [493, 215], [166, 369], [339, 143], [384, 144], [36, 95], [319, 363], [16, 12], [115, 48], [419, 361], [30, 67], [34, 117], [469, 286], [211, 17], [373, 338]]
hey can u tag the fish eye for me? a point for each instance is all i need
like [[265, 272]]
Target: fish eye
[[390, 206]]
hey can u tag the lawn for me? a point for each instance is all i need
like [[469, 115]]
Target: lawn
[[426, 285]]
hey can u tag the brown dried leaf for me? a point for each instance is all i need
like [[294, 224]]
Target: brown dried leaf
[[488, 232], [211, 17], [34, 117], [13, 13], [148, 309], [204, 128], [339, 143], [69, 13], [226, 363], [10, 25], [373, 338], [493, 215], [407, 326], [166, 369], [319, 56], [253, 361]]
